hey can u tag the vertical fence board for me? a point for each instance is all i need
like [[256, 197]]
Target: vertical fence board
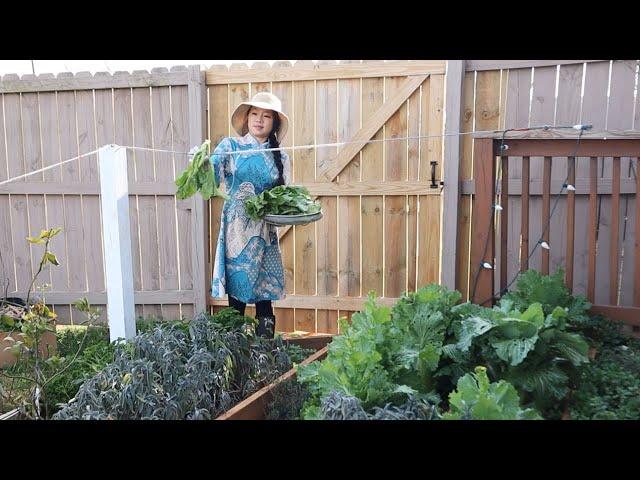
[[75, 263], [395, 211], [218, 129], [165, 204], [413, 172], [16, 167], [33, 161], [327, 227], [516, 115], [620, 117], [123, 135], [304, 171], [594, 109], [147, 213], [7, 272], [184, 214], [372, 206], [349, 121], [465, 172], [487, 117], [567, 113]]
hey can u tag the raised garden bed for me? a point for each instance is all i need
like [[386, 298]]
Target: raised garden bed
[[255, 406]]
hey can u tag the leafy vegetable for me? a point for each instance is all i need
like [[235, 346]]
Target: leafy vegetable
[[477, 399], [177, 373], [281, 200], [531, 350], [336, 406], [199, 176], [385, 355], [550, 292]]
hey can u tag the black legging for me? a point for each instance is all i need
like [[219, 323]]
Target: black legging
[[263, 308]]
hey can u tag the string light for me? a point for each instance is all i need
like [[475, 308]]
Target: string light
[[487, 265], [498, 207], [570, 187], [545, 245]]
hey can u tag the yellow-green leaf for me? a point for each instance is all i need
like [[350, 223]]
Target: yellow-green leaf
[[51, 258], [35, 240]]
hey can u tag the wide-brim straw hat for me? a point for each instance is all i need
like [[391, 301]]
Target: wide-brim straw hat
[[265, 100]]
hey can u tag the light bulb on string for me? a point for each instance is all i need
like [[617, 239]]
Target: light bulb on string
[[545, 245], [497, 207], [487, 265], [570, 187]]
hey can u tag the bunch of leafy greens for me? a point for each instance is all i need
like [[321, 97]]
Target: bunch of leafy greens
[[199, 176], [385, 354], [281, 200], [477, 399]]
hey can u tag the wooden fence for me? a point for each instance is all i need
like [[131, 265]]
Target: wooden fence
[[614, 285], [382, 228], [46, 119], [381, 225], [513, 94]]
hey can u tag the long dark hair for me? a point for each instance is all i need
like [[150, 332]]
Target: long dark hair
[[273, 143]]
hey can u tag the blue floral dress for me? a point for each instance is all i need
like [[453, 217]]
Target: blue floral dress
[[248, 263]]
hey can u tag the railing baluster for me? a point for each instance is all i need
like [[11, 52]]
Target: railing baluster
[[615, 226], [524, 226], [504, 221], [546, 201], [571, 220]]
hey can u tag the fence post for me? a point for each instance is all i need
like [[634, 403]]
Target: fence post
[[116, 234], [199, 241], [454, 81], [482, 227]]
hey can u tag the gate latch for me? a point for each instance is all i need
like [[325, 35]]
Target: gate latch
[[434, 182]]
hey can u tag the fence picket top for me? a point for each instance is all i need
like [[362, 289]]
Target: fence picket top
[[159, 70], [10, 77], [178, 68], [84, 74], [238, 66]]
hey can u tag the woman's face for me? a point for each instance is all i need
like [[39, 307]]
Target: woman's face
[[260, 122]]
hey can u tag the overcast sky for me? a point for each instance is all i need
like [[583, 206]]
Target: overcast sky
[[22, 67]]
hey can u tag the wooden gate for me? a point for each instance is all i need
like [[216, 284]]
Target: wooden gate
[[381, 225]]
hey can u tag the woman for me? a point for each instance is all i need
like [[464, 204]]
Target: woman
[[248, 263]]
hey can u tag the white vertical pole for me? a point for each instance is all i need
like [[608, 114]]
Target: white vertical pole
[[116, 235]]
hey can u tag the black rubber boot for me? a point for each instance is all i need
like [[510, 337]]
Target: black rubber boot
[[266, 326]]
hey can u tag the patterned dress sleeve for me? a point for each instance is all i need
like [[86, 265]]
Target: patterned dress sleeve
[[220, 159], [286, 168]]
